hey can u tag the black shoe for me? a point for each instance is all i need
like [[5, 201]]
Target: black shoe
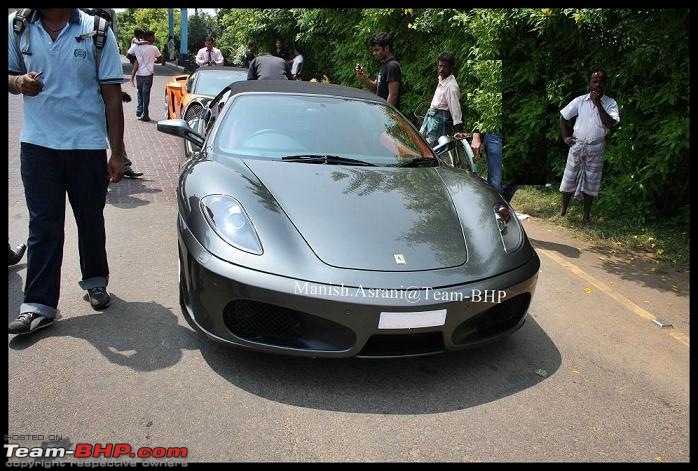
[[138, 115], [144, 118], [14, 256], [129, 173], [28, 322], [98, 298]]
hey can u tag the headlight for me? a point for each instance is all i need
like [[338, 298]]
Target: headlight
[[509, 227], [229, 220]]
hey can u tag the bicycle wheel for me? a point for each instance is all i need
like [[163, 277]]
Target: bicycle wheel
[[421, 111]]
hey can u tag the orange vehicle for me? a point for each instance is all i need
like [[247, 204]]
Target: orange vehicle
[[205, 81]]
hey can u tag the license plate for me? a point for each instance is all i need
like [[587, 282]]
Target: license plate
[[411, 320]]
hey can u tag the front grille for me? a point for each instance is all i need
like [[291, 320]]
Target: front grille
[[194, 111], [253, 320], [275, 325], [495, 320], [388, 345]]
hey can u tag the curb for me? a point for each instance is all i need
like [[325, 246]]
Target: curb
[[174, 66]]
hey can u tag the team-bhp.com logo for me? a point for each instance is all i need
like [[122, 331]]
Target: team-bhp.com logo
[[87, 450]]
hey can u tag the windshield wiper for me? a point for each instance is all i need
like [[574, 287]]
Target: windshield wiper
[[325, 159], [420, 161], [311, 159]]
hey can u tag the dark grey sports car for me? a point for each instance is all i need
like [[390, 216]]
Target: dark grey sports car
[[314, 220]]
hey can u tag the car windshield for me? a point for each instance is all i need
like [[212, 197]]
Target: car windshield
[[278, 125], [211, 82]]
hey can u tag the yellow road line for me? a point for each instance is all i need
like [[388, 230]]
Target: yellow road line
[[634, 308]]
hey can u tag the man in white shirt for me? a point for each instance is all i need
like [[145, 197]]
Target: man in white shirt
[[209, 55], [444, 115], [137, 39], [297, 66], [147, 56], [596, 115]]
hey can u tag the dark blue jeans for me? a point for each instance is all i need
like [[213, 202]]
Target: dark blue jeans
[[143, 84], [48, 175], [493, 146]]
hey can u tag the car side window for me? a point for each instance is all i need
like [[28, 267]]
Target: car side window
[[190, 83], [215, 108]]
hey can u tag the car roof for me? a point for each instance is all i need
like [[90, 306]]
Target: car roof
[[298, 86]]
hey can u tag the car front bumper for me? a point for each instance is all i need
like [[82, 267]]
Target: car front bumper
[[266, 312]]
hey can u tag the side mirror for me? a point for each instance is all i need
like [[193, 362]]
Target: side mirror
[[444, 144], [179, 127]]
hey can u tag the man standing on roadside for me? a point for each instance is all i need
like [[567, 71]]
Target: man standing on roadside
[[147, 56], [63, 150], [209, 55], [297, 65], [280, 51], [387, 84], [444, 116], [596, 115], [268, 67]]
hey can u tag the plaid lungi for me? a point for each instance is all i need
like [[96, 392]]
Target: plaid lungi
[[583, 169]]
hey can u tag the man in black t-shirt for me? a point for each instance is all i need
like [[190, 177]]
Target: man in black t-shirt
[[280, 51], [387, 84]]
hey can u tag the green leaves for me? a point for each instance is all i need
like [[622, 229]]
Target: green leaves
[[516, 67]]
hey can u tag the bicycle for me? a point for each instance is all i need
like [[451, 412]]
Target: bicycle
[[447, 148]]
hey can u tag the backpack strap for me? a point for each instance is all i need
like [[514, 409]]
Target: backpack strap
[[19, 24], [100, 38]]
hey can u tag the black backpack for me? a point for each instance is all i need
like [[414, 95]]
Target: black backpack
[[102, 21]]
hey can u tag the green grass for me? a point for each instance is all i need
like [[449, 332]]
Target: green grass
[[667, 242]]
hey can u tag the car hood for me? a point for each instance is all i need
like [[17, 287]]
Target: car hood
[[368, 218]]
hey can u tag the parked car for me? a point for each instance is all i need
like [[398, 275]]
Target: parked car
[[314, 220], [182, 92], [205, 81]]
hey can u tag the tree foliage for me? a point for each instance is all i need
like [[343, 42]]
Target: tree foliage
[[517, 68]]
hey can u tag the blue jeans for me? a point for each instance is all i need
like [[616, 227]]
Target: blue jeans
[[47, 175], [143, 84], [493, 147], [436, 123]]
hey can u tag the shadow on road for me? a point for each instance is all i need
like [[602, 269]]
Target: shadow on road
[[140, 336], [628, 266], [121, 195], [427, 385], [15, 289], [638, 268], [147, 337], [566, 250]]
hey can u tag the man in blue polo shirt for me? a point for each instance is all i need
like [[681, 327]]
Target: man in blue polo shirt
[[63, 150]]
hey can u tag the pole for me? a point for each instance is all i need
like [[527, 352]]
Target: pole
[[184, 39]]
